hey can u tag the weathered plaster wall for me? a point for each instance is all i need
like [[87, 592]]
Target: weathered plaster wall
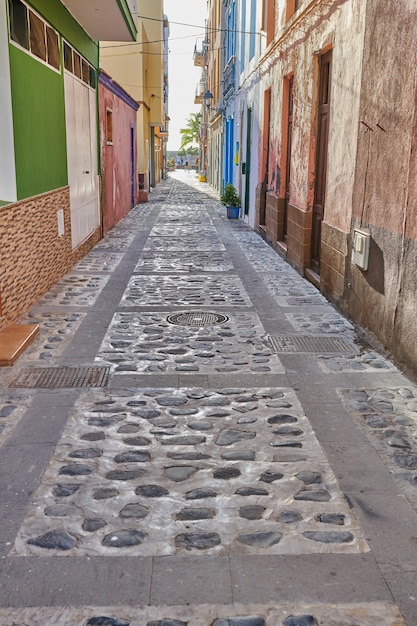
[[386, 181], [338, 26]]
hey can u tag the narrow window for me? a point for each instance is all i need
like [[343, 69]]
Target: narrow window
[[85, 71], [92, 77], [52, 43], [77, 64], [37, 36], [19, 28], [68, 58], [109, 126]]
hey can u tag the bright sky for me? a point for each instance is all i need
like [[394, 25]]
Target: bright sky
[[182, 75]]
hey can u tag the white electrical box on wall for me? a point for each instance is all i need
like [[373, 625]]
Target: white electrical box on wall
[[60, 218], [360, 248]]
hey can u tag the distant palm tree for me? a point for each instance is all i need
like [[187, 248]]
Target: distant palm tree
[[190, 133]]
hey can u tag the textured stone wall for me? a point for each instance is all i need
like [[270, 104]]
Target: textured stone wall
[[32, 255]]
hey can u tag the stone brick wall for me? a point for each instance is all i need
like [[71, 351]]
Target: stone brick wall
[[333, 258], [299, 237], [32, 255]]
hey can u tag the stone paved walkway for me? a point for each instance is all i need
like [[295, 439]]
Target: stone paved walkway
[[241, 466]]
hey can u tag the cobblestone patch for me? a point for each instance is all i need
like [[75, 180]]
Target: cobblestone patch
[[173, 215], [184, 262], [297, 614], [147, 343], [192, 242], [262, 259], [389, 419], [181, 290], [167, 471], [322, 322], [289, 284], [366, 361], [12, 406], [75, 290], [115, 244], [56, 331], [179, 229], [100, 261]]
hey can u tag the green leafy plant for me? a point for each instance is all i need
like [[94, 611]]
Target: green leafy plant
[[229, 196], [190, 134]]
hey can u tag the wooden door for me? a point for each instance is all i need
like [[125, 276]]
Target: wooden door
[[321, 157], [248, 159], [265, 157], [288, 155]]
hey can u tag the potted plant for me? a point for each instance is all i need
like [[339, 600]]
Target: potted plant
[[231, 200]]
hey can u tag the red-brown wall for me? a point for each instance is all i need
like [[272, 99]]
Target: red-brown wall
[[116, 157]]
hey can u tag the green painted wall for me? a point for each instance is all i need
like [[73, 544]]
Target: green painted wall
[[38, 124], [39, 107]]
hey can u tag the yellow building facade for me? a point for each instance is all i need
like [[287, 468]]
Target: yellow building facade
[[140, 68]]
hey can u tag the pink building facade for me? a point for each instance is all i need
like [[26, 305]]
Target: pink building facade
[[118, 151]]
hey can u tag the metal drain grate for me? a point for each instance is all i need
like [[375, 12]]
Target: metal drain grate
[[61, 377], [196, 318], [315, 345]]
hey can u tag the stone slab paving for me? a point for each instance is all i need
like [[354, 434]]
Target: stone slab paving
[[75, 290], [181, 290], [147, 342], [184, 261], [300, 614], [388, 417], [161, 472]]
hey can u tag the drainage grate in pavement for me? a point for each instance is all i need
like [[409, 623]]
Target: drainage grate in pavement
[[196, 318], [308, 343], [61, 377]]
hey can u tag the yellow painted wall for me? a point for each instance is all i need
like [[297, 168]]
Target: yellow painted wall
[[138, 67]]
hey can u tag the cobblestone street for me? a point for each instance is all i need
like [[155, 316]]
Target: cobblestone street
[[235, 454]]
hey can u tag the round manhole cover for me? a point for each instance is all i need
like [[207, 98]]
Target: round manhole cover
[[196, 318]]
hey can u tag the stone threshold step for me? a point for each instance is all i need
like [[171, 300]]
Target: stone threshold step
[[14, 340]]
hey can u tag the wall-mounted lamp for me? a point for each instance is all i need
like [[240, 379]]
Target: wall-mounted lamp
[[208, 97]]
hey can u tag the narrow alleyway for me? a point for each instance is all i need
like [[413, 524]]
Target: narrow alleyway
[[198, 438]]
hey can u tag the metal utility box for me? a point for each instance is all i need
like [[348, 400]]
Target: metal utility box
[[361, 242]]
